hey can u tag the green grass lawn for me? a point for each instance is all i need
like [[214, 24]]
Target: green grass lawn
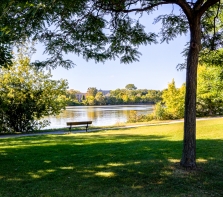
[[141, 161]]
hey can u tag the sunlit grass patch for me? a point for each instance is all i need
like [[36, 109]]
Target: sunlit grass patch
[[105, 174], [115, 164]]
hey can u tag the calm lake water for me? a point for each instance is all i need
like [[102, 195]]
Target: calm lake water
[[100, 115]]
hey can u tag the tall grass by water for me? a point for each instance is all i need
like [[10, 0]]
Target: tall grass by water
[[141, 161]]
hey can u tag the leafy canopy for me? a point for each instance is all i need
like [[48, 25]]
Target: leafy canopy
[[102, 29]]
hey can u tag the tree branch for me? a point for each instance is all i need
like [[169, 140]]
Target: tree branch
[[198, 4], [148, 7], [151, 6], [219, 3], [186, 8], [206, 6]]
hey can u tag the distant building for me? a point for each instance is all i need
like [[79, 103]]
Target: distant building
[[105, 92], [80, 96]]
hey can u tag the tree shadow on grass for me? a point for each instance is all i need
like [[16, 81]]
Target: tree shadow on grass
[[119, 165]]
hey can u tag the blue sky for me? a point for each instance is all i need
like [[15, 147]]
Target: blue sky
[[155, 69]]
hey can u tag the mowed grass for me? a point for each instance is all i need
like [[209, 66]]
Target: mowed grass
[[141, 161]]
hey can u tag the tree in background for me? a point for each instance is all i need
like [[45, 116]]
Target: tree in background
[[90, 96], [100, 99], [130, 87], [92, 91], [125, 98], [83, 98], [27, 95], [90, 100], [173, 99], [111, 100], [153, 96], [71, 97], [117, 95], [210, 91], [120, 96], [172, 104], [72, 93]]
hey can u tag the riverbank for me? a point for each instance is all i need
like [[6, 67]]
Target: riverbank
[[63, 131]]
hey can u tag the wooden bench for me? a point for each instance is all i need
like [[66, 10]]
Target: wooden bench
[[78, 123]]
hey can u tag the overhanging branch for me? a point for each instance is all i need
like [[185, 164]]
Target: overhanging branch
[[206, 6], [147, 8]]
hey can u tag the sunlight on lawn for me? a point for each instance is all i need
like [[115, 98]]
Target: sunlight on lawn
[[105, 174], [116, 164], [67, 168], [40, 173]]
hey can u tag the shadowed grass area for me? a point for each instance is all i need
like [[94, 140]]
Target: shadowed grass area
[[123, 162]]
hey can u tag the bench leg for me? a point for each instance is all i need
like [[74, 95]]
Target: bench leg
[[70, 129], [86, 127]]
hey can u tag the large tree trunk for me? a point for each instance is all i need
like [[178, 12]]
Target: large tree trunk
[[189, 144]]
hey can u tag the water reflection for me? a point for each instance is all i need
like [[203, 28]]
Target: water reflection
[[100, 115]]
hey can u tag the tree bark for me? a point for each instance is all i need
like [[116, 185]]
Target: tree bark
[[189, 143]]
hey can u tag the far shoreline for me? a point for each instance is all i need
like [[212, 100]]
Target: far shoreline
[[132, 104]]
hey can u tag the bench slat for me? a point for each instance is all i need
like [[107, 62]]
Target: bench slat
[[79, 123]]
